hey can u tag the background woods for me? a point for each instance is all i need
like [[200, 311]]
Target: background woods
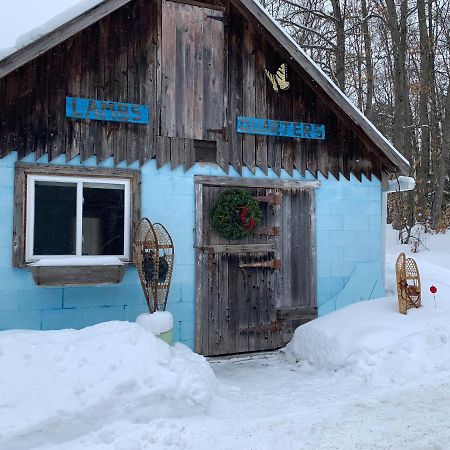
[[392, 58]]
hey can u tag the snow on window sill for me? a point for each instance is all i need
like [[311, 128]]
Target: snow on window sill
[[58, 272], [78, 261]]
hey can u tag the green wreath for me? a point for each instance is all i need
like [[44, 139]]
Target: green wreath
[[236, 214]]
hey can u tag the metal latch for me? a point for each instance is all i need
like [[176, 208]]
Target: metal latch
[[221, 131], [272, 326], [271, 264]]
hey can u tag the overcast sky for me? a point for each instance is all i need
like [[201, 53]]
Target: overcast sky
[[19, 16]]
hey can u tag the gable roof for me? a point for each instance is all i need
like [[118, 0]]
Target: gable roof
[[82, 19]]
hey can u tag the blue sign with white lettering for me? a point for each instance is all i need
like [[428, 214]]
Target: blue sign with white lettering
[[268, 127], [90, 109]]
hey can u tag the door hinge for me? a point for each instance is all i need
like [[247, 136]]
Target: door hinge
[[273, 199]]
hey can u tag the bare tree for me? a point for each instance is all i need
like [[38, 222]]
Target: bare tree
[[391, 58]]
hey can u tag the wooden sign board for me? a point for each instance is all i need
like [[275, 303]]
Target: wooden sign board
[[268, 127], [90, 109]]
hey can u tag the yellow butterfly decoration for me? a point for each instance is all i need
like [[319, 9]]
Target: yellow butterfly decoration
[[279, 79]]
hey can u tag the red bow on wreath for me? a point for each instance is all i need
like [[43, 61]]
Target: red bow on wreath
[[249, 224]]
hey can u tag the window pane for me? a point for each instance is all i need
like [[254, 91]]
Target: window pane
[[103, 219], [55, 209]]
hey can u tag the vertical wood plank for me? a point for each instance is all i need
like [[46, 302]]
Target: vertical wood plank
[[223, 306], [162, 151], [73, 86], [106, 46], [168, 65], [234, 299], [3, 118], [289, 218], [248, 93], [12, 90], [287, 158], [275, 277], [189, 150], [214, 73], [260, 103], [199, 270], [21, 112], [56, 103], [150, 18], [223, 152], [235, 87], [120, 81], [312, 249], [89, 84], [41, 114], [176, 151], [29, 111]]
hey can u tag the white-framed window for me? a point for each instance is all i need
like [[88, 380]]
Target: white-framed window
[[72, 217]]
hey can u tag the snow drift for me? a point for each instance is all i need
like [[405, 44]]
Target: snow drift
[[372, 340], [62, 384]]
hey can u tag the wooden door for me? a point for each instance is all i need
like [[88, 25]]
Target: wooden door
[[193, 72], [243, 308]]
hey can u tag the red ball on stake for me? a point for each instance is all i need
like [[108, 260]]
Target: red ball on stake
[[433, 289]]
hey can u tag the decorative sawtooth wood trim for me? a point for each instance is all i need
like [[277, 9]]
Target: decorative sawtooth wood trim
[[24, 169]]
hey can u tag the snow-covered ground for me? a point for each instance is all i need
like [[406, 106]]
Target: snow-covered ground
[[364, 377]]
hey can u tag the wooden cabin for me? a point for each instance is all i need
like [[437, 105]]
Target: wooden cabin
[[153, 108]]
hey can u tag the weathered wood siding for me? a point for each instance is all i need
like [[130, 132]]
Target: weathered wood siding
[[114, 59], [196, 73], [193, 71]]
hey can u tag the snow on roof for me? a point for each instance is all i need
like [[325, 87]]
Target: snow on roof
[[314, 70], [56, 21]]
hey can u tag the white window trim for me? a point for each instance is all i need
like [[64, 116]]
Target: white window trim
[[30, 205]]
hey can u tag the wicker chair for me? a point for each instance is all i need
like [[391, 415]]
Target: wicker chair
[[408, 283]]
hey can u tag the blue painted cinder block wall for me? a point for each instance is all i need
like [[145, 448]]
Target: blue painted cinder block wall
[[349, 253]]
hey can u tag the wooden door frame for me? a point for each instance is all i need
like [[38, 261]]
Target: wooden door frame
[[199, 182]]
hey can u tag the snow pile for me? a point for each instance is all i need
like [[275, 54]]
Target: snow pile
[[157, 323], [372, 340], [58, 385]]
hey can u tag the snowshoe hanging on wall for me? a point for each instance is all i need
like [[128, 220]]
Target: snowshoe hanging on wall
[[153, 254]]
